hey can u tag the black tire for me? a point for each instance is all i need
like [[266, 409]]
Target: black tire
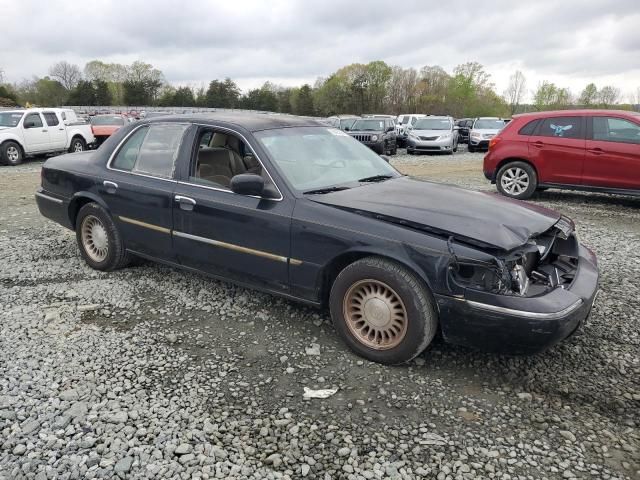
[[421, 317], [409, 152], [520, 170], [471, 148], [395, 150], [455, 148], [11, 153], [116, 255], [77, 145]]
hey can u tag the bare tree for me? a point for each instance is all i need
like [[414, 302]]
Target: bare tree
[[1, 76], [66, 73], [515, 91], [609, 96]]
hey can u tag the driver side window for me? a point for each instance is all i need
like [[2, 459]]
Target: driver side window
[[219, 157], [33, 119]]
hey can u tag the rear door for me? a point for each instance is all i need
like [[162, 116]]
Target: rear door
[[613, 153], [557, 149], [35, 133], [139, 187], [57, 132]]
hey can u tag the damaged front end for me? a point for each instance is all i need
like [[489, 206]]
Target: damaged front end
[[546, 262]]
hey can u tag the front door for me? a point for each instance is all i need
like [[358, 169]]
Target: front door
[[35, 134], [613, 153], [243, 238], [57, 132], [557, 149], [139, 184]]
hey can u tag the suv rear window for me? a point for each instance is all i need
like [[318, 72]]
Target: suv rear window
[[529, 128], [565, 127]]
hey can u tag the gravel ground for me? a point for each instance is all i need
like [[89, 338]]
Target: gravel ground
[[150, 372]]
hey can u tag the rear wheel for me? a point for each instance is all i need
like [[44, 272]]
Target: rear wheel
[[383, 311], [77, 145], [99, 240], [517, 180], [11, 153], [471, 148]]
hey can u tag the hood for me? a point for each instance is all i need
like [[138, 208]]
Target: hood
[[493, 131], [430, 133], [488, 219]]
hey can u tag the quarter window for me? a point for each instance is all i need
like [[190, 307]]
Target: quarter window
[[529, 128], [561, 127], [128, 154], [610, 129], [51, 118]]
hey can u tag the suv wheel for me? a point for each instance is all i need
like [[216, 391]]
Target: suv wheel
[[517, 180], [11, 153]]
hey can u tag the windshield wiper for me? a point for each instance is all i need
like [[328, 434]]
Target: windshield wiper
[[320, 191], [376, 178]]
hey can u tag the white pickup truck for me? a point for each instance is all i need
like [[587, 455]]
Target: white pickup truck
[[36, 131]]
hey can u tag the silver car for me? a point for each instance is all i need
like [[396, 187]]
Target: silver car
[[433, 134], [483, 130]]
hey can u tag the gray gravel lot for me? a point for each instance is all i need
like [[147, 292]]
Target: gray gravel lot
[[149, 372]]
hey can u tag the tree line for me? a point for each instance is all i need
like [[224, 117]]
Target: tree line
[[375, 87]]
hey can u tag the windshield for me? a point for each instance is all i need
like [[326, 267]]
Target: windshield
[[10, 119], [368, 125], [312, 158], [347, 123], [488, 124], [433, 124], [107, 120]]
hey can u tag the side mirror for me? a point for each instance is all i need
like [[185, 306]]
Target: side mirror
[[346, 129], [385, 158], [456, 127], [390, 129], [247, 184]]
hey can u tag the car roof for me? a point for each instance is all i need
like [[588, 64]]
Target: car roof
[[251, 121], [576, 112]]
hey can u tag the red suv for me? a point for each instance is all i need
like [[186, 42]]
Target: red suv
[[593, 150]]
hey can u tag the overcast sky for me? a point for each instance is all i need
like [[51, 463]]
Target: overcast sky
[[568, 42]]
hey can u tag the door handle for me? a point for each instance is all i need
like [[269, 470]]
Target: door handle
[[538, 144], [45, 130], [596, 151], [186, 203], [61, 129], [111, 187]]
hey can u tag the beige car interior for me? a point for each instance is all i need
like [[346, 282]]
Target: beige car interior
[[223, 157]]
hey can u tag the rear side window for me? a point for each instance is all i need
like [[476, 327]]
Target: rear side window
[[529, 128], [51, 118], [562, 127], [151, 150], [619, 130]]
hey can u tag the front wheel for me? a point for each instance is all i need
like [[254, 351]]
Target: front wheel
[[383, 311], [471, 148], [77, 145], [517, 180], [11, 153], [99, 240]]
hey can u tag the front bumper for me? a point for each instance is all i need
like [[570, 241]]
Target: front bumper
[[429, 145], [479, 143], [521, 325]]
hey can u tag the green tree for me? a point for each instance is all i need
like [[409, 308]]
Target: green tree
[[222, 94], [103, 92], [305, 101], [589, 95], [83, 94], [263, 99], [184, 97]]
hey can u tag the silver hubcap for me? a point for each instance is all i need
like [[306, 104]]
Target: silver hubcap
[[13, 154], [375, 314], [515, 181], [94, 238], [77, 147]]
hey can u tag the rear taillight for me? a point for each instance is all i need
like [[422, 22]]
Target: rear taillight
[[493, 142]]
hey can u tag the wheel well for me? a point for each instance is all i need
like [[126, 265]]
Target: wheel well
[[331, 271], [77, 135], [13, 141], [75, 206], [514, 159]]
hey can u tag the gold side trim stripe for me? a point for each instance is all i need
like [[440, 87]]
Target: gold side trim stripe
[[295, 262], [231, 246], [145, 225]]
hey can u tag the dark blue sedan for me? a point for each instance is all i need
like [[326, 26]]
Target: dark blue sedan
[[297, 208]]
